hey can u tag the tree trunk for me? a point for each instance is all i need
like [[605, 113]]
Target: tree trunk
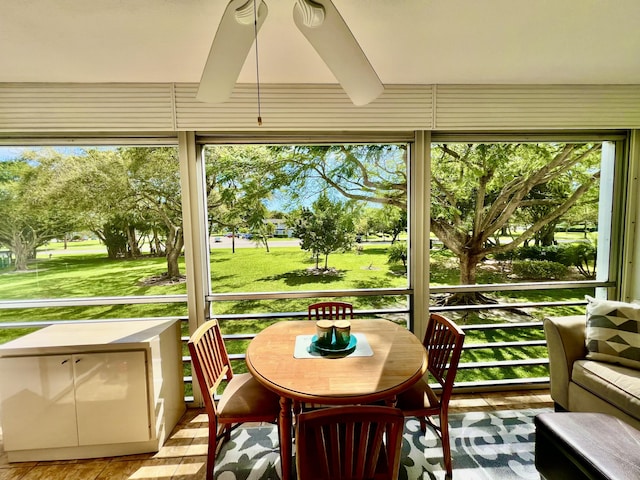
[[132, 242], [23, 243], [159, 251], [265, 240], [22, 254], [546, 236], [115, 241], [175, 242], [468, 268], [468, 271], [173, 268]]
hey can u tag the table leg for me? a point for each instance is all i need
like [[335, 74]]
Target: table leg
[[285, 438]]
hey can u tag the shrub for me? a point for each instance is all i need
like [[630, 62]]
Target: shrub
[[397, 253], [505, 256], [534, 252], [582, 256], [539, 269]]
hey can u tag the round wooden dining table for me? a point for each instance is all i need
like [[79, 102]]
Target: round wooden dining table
[[389, 360]]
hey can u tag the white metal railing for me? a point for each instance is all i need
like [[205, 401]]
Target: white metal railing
[[406, 311]]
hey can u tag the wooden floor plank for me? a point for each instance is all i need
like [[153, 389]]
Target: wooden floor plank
[[183, 457]]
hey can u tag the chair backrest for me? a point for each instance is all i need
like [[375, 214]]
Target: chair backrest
[[361, 442], [443, 341], [330, 311], [210, 361]]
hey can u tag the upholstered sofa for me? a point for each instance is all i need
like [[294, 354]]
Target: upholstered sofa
[[594, 360]]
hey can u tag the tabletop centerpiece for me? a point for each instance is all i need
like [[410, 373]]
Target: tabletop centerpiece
[[333, 338]]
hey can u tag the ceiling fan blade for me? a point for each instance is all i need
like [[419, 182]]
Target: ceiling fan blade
[[231, 45], [324, 27]]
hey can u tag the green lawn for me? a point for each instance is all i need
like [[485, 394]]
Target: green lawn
[[84, 275], [62, 274], [291, 269]]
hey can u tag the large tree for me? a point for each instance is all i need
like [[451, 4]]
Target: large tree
[[93, 186], [324, 228], [477, 189], [26, 222], [154, 183], [120, 193], [387, 220], [239, 181]]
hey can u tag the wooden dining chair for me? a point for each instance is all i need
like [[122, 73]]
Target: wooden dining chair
[[349, 443], [330, 311], [243, 399], [443, 341]]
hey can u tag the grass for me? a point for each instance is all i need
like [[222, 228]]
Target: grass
[[287, 269], [79, 272], [84, 275]]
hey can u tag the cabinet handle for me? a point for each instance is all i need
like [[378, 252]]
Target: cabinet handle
[[78, 360], [64, 361]]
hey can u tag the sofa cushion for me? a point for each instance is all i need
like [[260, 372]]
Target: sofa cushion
[[613, 332], [616, 384]]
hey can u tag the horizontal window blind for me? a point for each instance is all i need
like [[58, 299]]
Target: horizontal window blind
[[42, 108]]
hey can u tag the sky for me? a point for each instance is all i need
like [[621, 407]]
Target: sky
[[9, 153]]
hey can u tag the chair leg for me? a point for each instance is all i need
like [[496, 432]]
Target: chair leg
[[446, 443], [423, 424], [212, 449]]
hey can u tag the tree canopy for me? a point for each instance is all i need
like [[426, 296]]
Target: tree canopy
[[479, 189], [324, 228], [375, 173]]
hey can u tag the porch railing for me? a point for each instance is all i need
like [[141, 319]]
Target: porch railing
[[395, 313]]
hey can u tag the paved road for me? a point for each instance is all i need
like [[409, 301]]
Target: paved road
[[225, 242]]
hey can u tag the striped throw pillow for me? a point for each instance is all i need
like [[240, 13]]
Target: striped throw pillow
[[613, 332]]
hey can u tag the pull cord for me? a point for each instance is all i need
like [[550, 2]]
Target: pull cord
[[255, 33]]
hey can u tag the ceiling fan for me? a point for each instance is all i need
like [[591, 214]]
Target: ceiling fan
[[322, 25]]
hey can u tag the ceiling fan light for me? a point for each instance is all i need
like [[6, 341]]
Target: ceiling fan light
[[333, 41], [312, 13], [244, 14]]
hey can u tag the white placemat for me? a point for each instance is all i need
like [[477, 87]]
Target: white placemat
[[301, 348]]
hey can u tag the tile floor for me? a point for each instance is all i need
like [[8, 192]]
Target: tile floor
[[183, 456]]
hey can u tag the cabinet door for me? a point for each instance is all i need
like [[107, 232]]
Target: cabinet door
[[112, 400], [38, 409]]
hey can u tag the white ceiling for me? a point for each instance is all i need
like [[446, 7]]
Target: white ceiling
[[406, 41]]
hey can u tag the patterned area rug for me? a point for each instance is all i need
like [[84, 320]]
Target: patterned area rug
[[484, 446]]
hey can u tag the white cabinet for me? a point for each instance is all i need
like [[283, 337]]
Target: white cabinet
[[38, 408], [112, 403], [63, 396]]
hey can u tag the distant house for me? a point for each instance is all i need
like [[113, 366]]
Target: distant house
[[281, 227]]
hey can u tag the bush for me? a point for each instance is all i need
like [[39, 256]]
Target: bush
[[539, 269], [582, 256], [397, 253], [549, 253], [505, 256]]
